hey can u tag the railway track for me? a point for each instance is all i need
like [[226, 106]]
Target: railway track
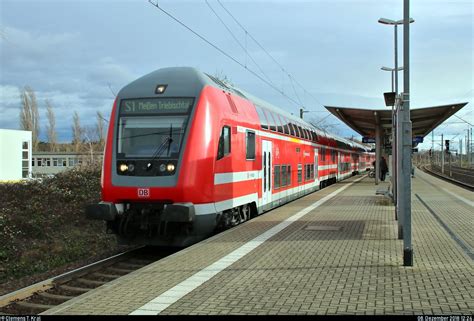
[[460, 176], [44, 295]]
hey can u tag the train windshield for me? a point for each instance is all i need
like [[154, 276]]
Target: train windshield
[[152, 128]]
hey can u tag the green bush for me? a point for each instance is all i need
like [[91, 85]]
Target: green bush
[[43, 226]]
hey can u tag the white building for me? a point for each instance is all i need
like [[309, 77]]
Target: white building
[[15, 154]]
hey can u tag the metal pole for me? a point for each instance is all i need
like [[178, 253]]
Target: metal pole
[[405, 185], [442, 155], [432, 148], [396, 61], [377, 153], [398, 165], [449, 162], [393, 80], [470, 149], [395, 129], [460, 152]]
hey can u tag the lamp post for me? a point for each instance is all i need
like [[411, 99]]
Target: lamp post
[[396, 119], [394, 141]]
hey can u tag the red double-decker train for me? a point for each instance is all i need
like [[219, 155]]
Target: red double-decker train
[[187, 154]]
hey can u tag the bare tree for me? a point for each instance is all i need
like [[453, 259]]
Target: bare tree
[[77, 132], [51, 127], [100, 129], [88, 134], [29, 116]]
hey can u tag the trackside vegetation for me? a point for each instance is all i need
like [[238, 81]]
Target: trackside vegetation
[[43, 227]]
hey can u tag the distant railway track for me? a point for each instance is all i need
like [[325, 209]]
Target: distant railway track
[[46, 294], [463, 177]]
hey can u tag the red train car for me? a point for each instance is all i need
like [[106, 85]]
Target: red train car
[[187, 154]]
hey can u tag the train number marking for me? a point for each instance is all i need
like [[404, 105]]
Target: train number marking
[[144, 192]]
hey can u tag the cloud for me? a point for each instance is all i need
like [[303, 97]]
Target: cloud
[[52, 65]]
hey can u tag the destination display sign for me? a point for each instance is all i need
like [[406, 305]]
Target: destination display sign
[[368, 140], [156, 106]]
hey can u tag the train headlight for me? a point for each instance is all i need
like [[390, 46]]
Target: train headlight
[[162, 167], [123, 167], [160, 89], [170, 167], [131, 167]]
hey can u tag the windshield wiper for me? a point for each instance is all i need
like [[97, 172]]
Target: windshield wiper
[[160, 148]]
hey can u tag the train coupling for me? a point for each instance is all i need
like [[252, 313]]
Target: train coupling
[[103, 211], [176, 212]]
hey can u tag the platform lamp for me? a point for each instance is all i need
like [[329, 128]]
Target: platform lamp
[[396, 164]]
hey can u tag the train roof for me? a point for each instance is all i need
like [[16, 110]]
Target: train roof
[[191, 81]]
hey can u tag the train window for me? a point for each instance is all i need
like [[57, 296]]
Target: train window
[[271, 121], [288, 175], [263, 118], [279, 123], [296, 130], [300, 173], [286, 130], [276, 179], [250, 143], [309, 172], [292, 130], [333, 155], [323, 154], [305, 131], [224, 143], [283, 175], [300, 129]]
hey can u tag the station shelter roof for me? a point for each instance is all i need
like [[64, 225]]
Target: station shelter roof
[[364, 121]]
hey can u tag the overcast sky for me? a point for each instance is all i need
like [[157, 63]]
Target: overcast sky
[[78, 53]]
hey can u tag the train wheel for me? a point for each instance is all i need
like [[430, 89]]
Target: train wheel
[[245, 213], [236, 217]]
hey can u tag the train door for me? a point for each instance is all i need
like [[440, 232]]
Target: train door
[[339, 165], [267, 163], [316, 171]]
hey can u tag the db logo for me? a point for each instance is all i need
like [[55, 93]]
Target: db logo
[[144, 192]]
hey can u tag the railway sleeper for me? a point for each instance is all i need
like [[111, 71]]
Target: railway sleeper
[[74, 288], [130, 265], [106, 275], [34, 306], [57, 297], [141, 262], [119, 270], [91, 282]]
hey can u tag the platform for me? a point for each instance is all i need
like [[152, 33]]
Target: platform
[[332, 252]]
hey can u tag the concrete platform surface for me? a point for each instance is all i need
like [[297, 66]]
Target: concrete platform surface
[[335, 251]]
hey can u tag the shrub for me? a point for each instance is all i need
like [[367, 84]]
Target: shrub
[[42, 224]]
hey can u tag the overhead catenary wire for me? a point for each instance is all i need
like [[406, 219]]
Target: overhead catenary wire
[[156, 4], [239, 43], [268, 54]]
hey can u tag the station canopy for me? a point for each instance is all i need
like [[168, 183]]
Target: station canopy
[[364, 121]]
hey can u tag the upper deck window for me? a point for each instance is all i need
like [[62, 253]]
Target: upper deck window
[[262, 117]]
